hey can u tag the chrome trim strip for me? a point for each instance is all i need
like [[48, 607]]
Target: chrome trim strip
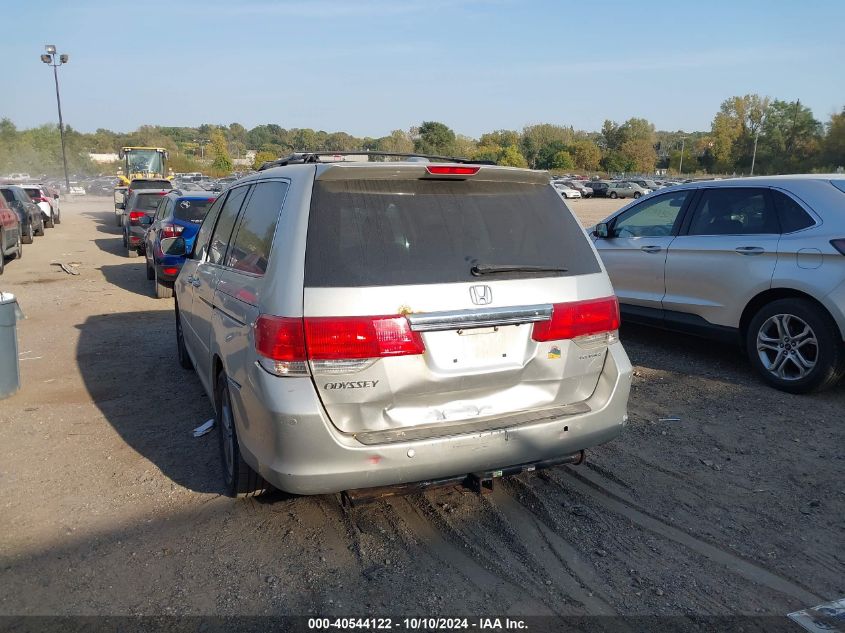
[[482, 317]]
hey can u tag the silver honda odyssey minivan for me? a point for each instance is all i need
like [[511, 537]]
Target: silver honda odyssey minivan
[[365, 324]]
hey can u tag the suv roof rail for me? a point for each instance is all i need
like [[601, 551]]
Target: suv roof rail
[[298, 158]]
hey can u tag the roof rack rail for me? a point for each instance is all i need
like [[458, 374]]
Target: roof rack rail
[[298, 158]]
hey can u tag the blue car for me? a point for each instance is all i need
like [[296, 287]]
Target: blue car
[[179, 214]]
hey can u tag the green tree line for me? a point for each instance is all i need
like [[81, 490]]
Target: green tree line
[[787, 136]]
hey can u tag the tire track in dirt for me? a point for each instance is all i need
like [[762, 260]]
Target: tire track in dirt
[[567, 567], [588, 485], [448, 543]]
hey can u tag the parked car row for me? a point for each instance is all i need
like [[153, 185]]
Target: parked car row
[[151, 215], [25, 211]]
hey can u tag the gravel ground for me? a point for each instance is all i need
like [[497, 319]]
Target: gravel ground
[[110, 506]]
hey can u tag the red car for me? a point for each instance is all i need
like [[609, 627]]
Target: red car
[[10, 234]]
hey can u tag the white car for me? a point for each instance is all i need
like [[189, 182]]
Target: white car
[[566, 192]]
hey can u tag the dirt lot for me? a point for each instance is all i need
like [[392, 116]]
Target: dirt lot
[[110, 506]]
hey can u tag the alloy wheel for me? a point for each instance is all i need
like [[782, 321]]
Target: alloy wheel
[[787, 346]]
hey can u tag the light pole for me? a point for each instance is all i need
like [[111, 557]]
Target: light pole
[[754, 153], [50, 58], [681, 163]]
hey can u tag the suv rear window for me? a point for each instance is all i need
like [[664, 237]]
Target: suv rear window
[[146, 202], [399, 232], [192, 210]]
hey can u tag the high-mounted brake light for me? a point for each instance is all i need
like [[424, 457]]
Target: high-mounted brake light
[[452, 170], [579, 318]]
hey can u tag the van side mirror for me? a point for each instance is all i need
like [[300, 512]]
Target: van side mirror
[[174, 246], [601, 230]]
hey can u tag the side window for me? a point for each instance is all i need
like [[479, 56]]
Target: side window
[[223, 230], [651, 218], [792, 216], [201, 243], [734, 211], [162, 205], [251, 246]]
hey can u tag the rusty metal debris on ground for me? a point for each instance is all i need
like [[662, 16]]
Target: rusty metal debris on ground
[[68, 268]]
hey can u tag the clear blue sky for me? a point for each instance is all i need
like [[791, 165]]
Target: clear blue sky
[[370, 66]]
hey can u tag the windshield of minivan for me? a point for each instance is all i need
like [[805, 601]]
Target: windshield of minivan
[[396, 232]]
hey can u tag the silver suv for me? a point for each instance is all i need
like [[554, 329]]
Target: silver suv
[[756, 261], [363, 324]]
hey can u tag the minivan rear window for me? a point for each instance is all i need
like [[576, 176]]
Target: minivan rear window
[[400, 232]]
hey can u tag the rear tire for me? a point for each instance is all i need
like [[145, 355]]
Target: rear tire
[[118, 219], [18, 248], [163, 290], [181, 350], [795, 346], [239, 478], [151, 274], [27, 237], [613, 194], [40, 231], [49, 223], [637, 194], [58, 218], [2, 252]]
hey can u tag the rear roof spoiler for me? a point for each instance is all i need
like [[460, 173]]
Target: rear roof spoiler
[[298, 158]]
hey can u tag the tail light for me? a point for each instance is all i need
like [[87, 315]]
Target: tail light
[[135, 217], [280, 341], [838, 245], [171, 230], [288, 343], [592, 321], [170, 270], [40, 199]]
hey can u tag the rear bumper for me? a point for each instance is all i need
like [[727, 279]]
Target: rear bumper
[[165, 277], [136, 237], [285, 436]]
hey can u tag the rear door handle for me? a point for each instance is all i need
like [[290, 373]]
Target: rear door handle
[[651, 249], [750, 250]]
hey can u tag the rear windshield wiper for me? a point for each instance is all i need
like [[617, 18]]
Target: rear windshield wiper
[[492, 269]]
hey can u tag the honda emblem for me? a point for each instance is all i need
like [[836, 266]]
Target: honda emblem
[[481, 295]]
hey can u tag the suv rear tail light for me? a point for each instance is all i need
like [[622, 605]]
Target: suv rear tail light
[[452, 170], [135, 216], [286, 344], [590, 322], [171, 230], [838, 245]]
